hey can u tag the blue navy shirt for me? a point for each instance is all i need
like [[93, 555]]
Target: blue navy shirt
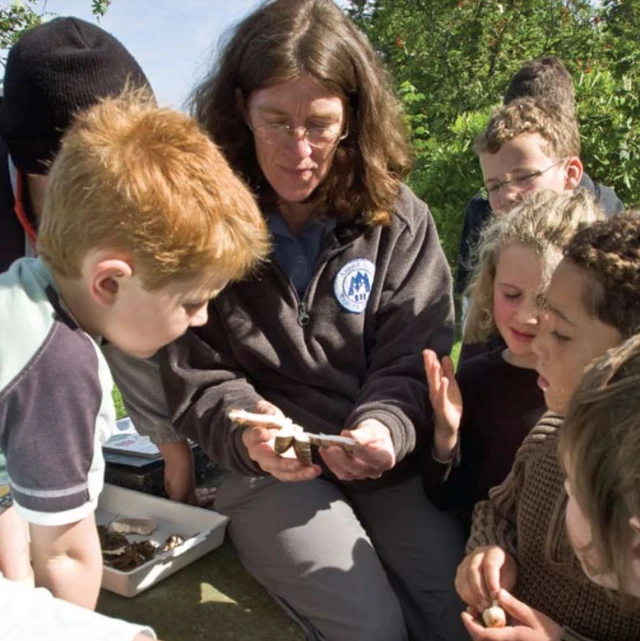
[[298, 255]]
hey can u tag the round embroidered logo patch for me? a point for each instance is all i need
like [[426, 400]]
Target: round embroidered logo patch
[[353, 283]]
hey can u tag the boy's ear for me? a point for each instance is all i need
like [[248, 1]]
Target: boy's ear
[[107, 278], [574, 172]]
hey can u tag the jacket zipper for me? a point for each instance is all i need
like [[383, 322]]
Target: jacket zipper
[[303, 316], [303, 307]]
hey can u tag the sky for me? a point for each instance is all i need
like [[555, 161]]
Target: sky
[[173, 40]]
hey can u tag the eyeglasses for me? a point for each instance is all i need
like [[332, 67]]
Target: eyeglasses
[[520, 182], [279, 133]]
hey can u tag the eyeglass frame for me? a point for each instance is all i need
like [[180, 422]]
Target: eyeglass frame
[[496, 189], [278, 127]]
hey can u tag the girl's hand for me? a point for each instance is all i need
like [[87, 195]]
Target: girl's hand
[[370, 459], [446, 401], [483, 573], [528, 624], [259, 442]]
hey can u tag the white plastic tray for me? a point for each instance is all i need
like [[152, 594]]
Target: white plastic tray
[[202, 531]]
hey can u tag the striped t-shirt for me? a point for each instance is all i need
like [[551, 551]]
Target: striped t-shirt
[[56, 408]]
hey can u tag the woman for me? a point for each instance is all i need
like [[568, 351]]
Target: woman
[[329, 334]]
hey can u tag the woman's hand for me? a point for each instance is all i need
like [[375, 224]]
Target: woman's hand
[[259, 442], [527, 624], [446, 401], [483, 573], [373, 455]]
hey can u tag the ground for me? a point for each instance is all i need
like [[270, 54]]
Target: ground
[[214, 597]]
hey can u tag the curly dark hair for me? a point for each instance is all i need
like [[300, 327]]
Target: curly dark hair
[[609, 251], [275, 44]]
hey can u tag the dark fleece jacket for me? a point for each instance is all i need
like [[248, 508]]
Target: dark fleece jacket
[[325, 367]]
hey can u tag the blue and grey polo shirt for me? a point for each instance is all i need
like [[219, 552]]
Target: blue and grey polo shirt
[[56, 408]]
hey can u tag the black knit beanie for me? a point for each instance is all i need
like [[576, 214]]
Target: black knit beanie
[[56, 69]]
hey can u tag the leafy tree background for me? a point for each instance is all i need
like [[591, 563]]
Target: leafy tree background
[[20, 15], [453, 59]]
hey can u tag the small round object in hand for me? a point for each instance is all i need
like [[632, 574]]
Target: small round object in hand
[[494, 616]]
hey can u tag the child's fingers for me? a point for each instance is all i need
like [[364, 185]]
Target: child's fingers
[[431, 366], [469, 581], [428, 355], [447, 367], [494, 560], [444, 392], [520, 611], [479, 633], [470, 624], [473, 626], [477, 583]]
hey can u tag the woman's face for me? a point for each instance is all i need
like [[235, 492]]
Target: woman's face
[[293, 166]]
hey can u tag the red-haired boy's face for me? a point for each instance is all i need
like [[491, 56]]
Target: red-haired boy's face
[[142, 321]]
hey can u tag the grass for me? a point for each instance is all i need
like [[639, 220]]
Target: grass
[[117, 401]]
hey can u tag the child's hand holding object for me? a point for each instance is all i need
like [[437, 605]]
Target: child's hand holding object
[[527, 624]]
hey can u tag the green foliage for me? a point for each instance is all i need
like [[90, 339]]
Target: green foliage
[[455, 353], [452, 61], [17, 17], [100, 7], [446, 175], [121, 412], [608, 109]]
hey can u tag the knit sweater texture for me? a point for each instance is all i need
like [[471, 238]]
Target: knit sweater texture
[[526, 516]]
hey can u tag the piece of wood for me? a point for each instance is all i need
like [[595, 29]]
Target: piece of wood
[[242, 417], [291, 434]]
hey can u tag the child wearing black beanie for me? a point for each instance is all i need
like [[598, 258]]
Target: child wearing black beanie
[[55, 70]]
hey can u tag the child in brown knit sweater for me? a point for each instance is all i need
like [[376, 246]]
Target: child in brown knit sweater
[[600, 452], [518, 540]]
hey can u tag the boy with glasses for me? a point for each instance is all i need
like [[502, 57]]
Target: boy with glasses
[[528, 145], [542, 79]]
